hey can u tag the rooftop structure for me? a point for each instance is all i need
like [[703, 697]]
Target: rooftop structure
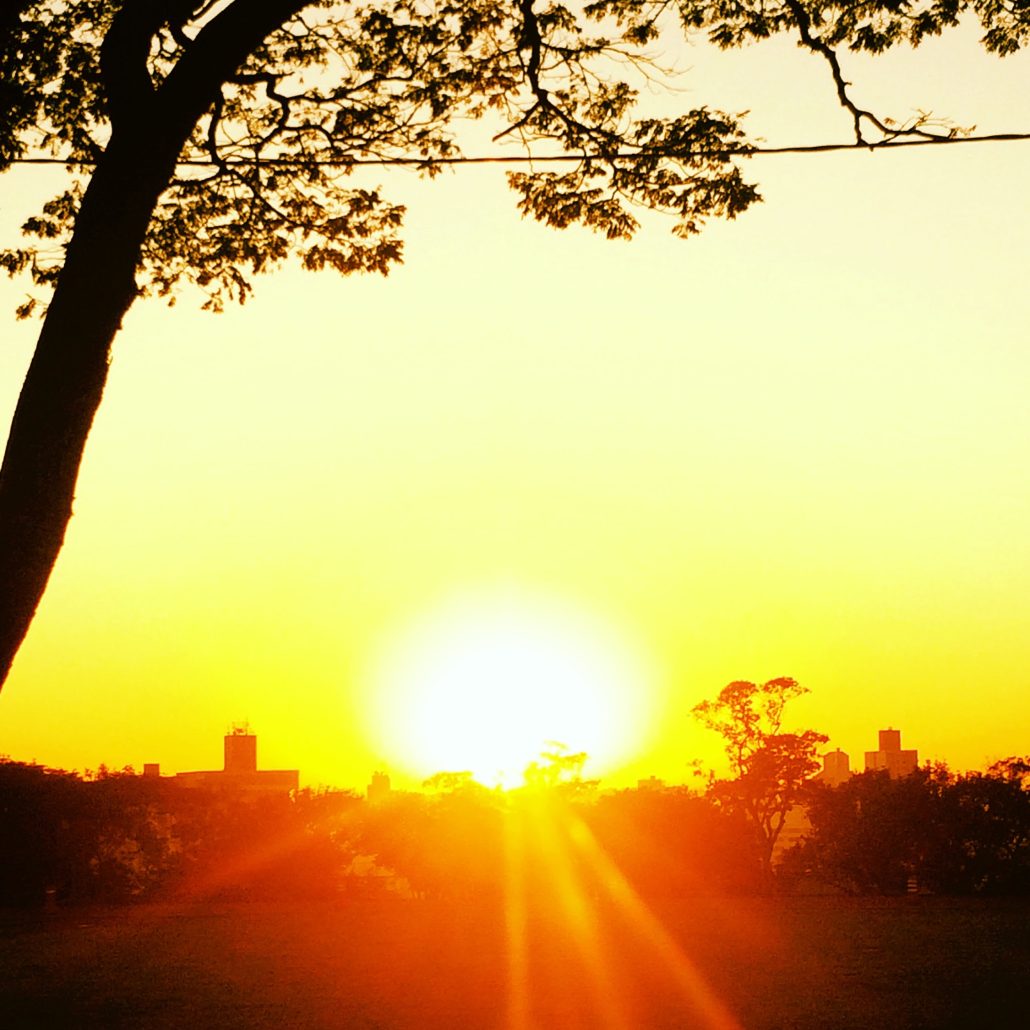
[[836, 768], [890, 756], [240, 774], [379, 788], [651, 783]]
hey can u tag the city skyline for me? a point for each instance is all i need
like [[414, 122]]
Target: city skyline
[[241, 769]]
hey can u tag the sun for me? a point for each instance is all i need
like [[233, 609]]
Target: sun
[[488, 681]]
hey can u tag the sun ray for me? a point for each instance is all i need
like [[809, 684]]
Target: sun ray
[[564, 898], [515, 924], [692, 986], [586, 932]]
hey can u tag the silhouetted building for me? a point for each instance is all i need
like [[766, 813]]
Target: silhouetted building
[[836, 768], [240, 774], [240, 751], [651, 783], [379, 788], [890, 756]]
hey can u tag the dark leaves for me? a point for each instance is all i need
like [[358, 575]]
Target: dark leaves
[[265, 174]]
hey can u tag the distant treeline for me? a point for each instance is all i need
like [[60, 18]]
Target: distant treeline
[[948, 833], [116, 836]]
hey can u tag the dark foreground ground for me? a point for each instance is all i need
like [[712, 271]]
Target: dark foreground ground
[[758, 963]]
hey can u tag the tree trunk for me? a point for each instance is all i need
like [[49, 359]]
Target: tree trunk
[[66, 377], [97, 285]]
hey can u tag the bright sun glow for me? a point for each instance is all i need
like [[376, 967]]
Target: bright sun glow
[[485, 683]]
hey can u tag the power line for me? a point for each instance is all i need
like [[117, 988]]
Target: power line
[[526, 159]]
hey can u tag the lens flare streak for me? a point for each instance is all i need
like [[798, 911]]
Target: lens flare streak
[[515, 926], [575, 903], [554, 866], [692, 986]]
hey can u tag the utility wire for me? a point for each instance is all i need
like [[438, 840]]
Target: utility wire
[[526, 159]]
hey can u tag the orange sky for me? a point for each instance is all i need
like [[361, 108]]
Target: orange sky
[[793, 446]]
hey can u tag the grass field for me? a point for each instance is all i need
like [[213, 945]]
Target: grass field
[[787, 963]]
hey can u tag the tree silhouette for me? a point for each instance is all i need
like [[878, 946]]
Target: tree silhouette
[[448, 782], [669, 841], [208, 141], [955, 834], [558, 770], [769, 767]]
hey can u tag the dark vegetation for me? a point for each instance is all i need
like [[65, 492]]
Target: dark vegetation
[[117, 837], [770, 766], [954, 834], [555, 905]]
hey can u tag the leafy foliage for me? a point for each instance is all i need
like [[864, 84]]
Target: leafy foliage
[[267, 172], [558, 770], [955, 834], [118, 837], [207, 141], [445, 845], [866, 25], [770, 767], [668, 841]]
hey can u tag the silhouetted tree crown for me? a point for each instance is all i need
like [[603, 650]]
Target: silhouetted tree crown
[[770, 767], [947, 833], [119, 837]]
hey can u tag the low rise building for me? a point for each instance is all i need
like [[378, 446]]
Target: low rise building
[[379, 789], [239, 774], [836, 768]]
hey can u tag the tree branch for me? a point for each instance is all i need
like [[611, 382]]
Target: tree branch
[[858, 114], [218, 50]]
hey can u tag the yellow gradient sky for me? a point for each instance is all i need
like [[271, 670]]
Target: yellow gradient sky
[[796, 445]]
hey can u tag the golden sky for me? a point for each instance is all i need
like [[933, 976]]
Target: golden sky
[[796, 445]]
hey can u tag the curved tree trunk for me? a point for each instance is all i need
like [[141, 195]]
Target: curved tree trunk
[[66, 377]]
